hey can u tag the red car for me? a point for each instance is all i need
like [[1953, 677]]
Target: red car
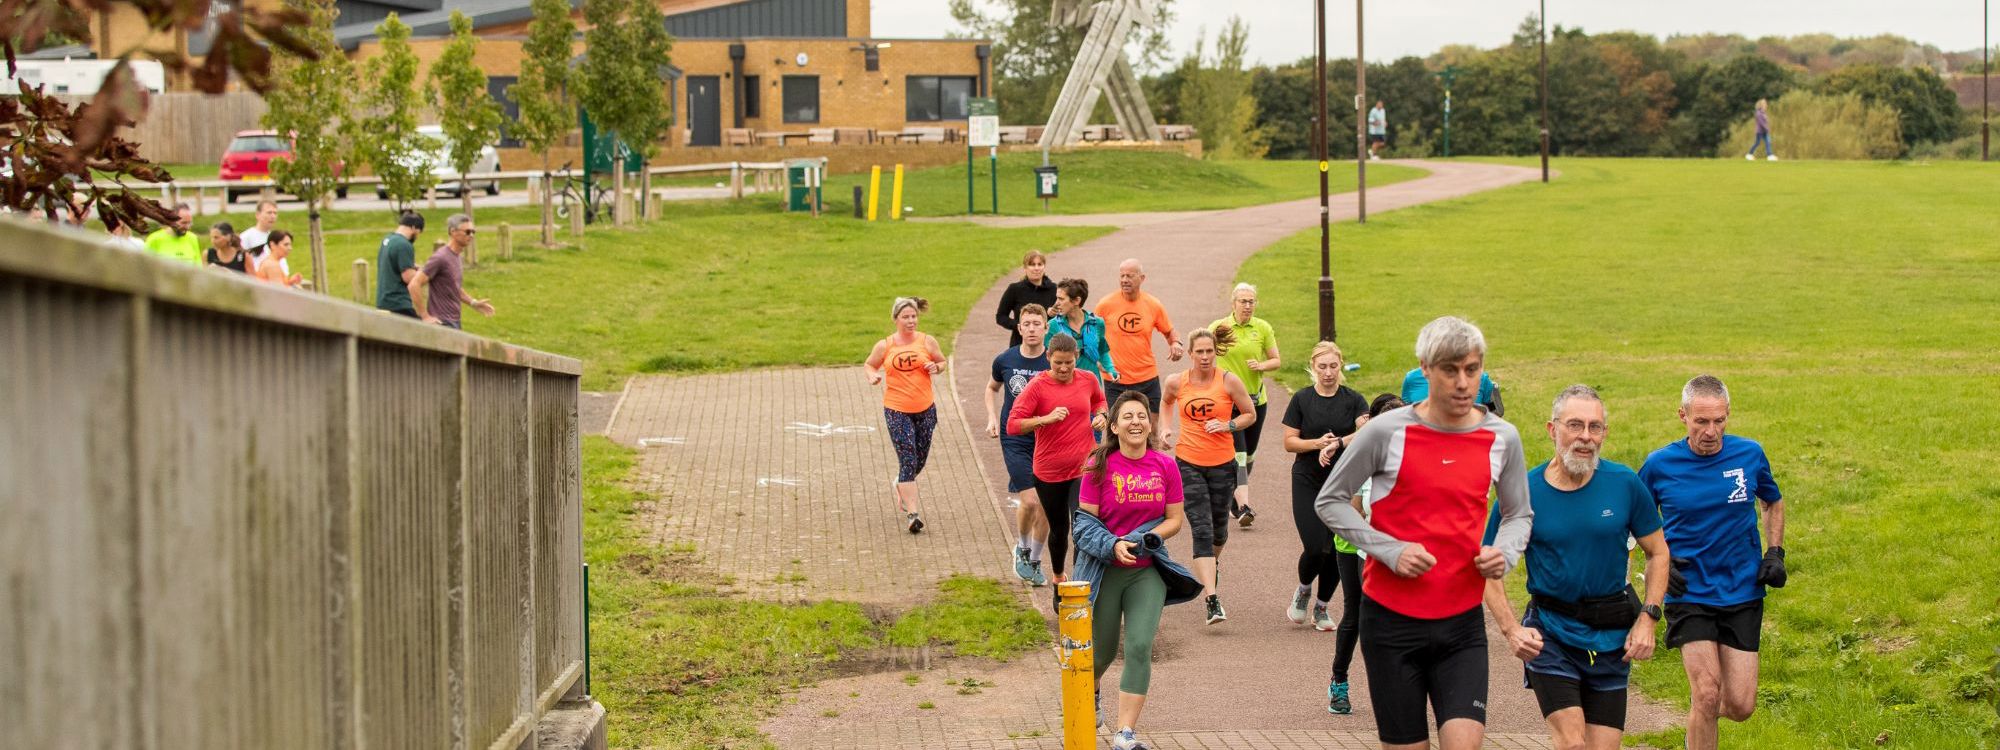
[[248, 160]]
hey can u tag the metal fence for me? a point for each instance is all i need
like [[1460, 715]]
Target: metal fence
[[237, 516]]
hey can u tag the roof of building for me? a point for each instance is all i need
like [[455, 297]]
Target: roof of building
[[722, 19], [64, 52]]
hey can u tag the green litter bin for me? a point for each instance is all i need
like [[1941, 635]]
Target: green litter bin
[[801, 176]]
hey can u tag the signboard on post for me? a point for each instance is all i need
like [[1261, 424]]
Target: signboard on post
[[1045, 182], [983, 124]]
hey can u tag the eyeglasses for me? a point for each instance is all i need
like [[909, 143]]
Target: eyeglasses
[[470, 232], [1577, 425]]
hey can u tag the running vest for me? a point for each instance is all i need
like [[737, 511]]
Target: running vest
[[909, 384], [1195, 444]]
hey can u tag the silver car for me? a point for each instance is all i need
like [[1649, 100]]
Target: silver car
[[446, 175]]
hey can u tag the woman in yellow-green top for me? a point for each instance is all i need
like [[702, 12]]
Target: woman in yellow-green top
[[1255, 353]]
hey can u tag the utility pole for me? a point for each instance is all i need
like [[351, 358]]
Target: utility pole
[[1447, 76], [1985, 80], [1542, 41], [1326, 328], [1360, 120]]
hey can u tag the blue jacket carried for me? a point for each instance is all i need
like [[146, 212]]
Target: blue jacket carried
[[1094, 553]]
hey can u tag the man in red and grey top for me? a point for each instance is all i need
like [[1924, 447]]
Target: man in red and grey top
[[1430, 467]]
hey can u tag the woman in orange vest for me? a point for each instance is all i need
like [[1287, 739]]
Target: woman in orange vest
[[907, 360], [1211, 405]]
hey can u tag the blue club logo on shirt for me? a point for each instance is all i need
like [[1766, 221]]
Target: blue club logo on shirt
[[1742, 492]]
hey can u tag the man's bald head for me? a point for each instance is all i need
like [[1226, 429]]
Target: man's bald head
[[1130, 278]]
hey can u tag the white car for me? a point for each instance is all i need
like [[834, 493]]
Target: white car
[[447, 176]]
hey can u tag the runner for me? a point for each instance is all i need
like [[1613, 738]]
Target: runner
[[1255, 353], [1034, 288], [907, 359], [396, 266], [1431, 466], [224, 250], [1211, 405], [1011, 372], [257, 239], [1318, 423], [1715, 599], [1053, 409], [1070, 319], [1131, 504], [278, 247], [1349, 561], [1131, 316], [177, 240], [443, 275], [1584, 625]]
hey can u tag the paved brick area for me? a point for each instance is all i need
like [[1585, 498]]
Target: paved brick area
[[1034, 733]]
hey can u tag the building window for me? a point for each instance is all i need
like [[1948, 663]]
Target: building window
[[510, 110], [936, 98], [801, 99], [753, 96]]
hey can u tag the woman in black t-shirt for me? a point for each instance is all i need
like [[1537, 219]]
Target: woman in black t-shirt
[[1318, 422], [1034, 288], [225, 250]]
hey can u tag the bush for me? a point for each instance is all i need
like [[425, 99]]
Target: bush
[[1963, 149], [1805, 125]]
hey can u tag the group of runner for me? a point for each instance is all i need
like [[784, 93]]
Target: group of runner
[[1391, 503]]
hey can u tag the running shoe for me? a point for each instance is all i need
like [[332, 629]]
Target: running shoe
[[1773, 157], [1247, 517], [916, 523], [1021, 567], [1336, 699], [1297, 613], [1035, 577], [1215, 613], [1322, 622], [1125, 739]]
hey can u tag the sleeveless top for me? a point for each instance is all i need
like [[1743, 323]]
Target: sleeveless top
[[909, 383], [240, 265], [1195, 444]]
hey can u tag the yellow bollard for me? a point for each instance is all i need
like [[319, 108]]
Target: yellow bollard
[[1074, 655], [896, 196], [874, 189]]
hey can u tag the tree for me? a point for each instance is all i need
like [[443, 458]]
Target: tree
[[619, 80], [1713, 97], [466, 111], [1032, 57], [1926, 105], [542, 92], [1215, 96], [386, 134], [309, 106]]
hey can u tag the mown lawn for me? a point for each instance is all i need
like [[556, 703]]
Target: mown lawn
[[1845, 304]]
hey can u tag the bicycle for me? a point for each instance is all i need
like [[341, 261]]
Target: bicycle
[[573, 190]]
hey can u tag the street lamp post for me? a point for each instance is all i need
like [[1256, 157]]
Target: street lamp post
[[1326, 328], [1361, 111], [1448, 76], [1985, 79], [1542, 41]]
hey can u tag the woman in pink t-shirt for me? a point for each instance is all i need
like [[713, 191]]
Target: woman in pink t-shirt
[[1129, 486]]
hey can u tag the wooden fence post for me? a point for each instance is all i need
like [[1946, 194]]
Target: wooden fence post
[[506, 241], [576, 222], [736, 180], [361, 282], [548, 211]]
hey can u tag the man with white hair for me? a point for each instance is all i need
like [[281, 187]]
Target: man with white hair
[[1585, 625], [1715, 598], [1131, 315], [1430, 467]]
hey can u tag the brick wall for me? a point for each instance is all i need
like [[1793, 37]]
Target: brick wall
[[840, 159]]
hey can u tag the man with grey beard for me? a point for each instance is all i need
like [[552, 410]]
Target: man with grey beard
[[1585, 624]]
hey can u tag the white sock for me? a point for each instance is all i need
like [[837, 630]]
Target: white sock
[[1304, 589], [1022, 541], [1035, 547]]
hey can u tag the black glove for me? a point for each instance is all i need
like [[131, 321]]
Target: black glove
[[1677, 582], [1771, 572]]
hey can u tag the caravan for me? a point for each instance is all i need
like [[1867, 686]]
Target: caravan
[[79, 77]]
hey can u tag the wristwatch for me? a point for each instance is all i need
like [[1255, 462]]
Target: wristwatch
[[1651, 610]]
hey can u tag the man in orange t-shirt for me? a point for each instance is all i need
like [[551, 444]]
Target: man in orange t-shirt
[[1130, 318]]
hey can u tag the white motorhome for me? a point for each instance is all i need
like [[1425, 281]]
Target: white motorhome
[[79, 77]]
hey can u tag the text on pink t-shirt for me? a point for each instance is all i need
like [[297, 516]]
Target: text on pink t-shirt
[[1133, 492]]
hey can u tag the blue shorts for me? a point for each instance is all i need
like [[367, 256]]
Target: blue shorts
[[1019, 453], [1596, 672]]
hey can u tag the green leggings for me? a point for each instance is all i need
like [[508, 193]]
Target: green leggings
[[1138, 594]]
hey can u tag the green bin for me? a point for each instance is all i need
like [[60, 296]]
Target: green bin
[[800, 177]]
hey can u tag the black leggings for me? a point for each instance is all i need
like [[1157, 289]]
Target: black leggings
[[1315, 539], [1349, 631], [1058, 502], [1207, 491]]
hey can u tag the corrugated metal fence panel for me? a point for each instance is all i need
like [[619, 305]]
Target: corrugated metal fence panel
[[558, 528], [498, 518], [764, 18], [407, 468], [245, 476], [66, 548]]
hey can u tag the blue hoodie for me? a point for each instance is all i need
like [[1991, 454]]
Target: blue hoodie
[[1094, 552]]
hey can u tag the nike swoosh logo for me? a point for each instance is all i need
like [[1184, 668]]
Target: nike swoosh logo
[[1450, 461]]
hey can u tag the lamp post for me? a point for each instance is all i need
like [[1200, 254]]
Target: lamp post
[[1542, 41], [1360, 121], [1985, 79], [1448, 76], [1326, 328]]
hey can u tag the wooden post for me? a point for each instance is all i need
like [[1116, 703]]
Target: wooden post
[[506, 232], [432, 194], [361, 282], [618, 213], [548, 211], [736, 180], [471, 254], [646, 193], [576, 222], [199, 204]]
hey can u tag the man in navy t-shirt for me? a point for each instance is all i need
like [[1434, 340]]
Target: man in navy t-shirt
[[1705, 486], [1011, 372], [1584, 627]]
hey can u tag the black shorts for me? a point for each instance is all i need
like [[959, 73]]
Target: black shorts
[[1149, 387], [1736, 626], [1604, 708], [1412, 660]]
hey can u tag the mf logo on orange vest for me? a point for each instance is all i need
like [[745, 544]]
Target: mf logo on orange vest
[[1131, 322], [908, 361], [1201, 408]]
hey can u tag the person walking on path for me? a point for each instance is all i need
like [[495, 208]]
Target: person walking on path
[[1255, 353], [1584, 625], [224, 250], [177, 240], [1716, 587], [396, 267], [907, 359], [1012, 370], [1070, 319], [1131, 316], [1059, 408], [1130, 505], [1430, 468], [1034, 288], [443, 278], [1319, 422], [1763, 134], [1378, 131], [257, 239], [278, 247], [1211, 405]]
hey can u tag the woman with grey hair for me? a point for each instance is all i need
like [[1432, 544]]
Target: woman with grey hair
[[907, 359]]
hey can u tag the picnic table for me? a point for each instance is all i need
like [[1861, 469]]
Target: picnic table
[[781, 137]]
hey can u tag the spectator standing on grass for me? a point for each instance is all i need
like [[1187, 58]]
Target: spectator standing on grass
[[177, 240], [278, 247], [1763, 134], [1705, 486], [1034, 288], [1012, 371], [396, 266], [443, 278], [224, 249], [1378, 131], [256, 238]]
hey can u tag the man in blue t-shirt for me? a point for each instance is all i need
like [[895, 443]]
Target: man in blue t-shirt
[[1417, 388], [1584, 626], [1715, 602], [1011, 372]]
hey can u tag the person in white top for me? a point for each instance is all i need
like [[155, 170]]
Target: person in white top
[[256, 238]]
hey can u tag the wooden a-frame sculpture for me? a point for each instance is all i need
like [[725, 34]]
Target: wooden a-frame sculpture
[[1101, 69]]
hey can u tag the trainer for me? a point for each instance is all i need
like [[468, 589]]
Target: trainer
[[1431, 466], [1584, 625], [1715, 598]]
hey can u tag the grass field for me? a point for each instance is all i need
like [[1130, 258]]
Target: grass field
[[1845, 304]]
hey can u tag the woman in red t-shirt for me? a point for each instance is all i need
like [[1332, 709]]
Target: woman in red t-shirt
[[1053, 408]]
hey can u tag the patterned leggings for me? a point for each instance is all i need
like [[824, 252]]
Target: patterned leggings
[[911, 434]]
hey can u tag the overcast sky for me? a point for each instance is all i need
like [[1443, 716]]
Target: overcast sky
[[1281, 30]]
